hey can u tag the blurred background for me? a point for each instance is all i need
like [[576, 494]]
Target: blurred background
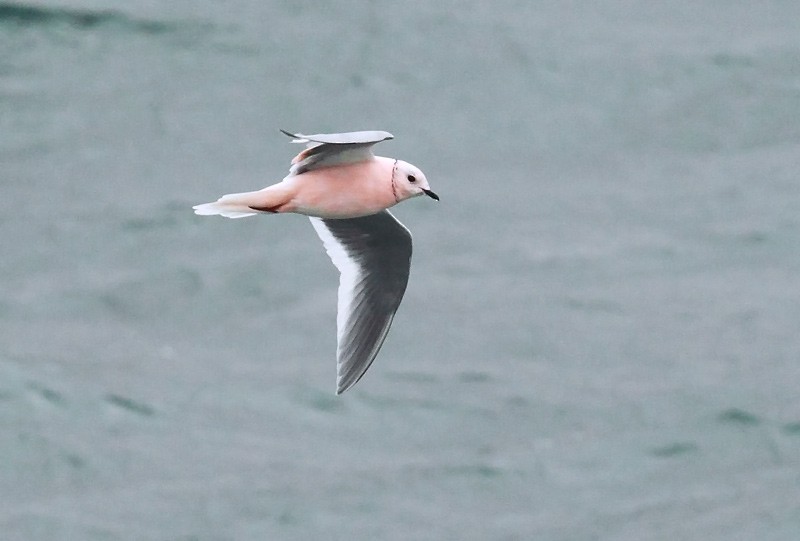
[[600, 335]]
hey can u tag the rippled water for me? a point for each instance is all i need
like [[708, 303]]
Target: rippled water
[[600, 335]]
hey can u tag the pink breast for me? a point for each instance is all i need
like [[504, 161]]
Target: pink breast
[[345, 191]]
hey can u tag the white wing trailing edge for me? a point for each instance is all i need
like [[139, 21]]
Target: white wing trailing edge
[[373, 255]]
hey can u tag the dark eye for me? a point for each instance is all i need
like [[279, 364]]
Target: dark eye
[[412, 178]]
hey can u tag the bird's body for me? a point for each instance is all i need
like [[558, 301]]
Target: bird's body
[[327, 192], [345, 190]]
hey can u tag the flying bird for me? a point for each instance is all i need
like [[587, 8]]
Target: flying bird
[[345, 190]]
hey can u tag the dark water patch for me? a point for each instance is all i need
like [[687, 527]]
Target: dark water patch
[[321, 401], [753, 237], [793, 429], [738, 417], [113, 304], [49, 395], [146, 224], [146, 296], [726, 60], [414, 377], [326, 403], [74, 461], [594, 305], [166, 216], [474, 377], [517, 401], [239, 50], [674, 449], [383, 402], [128, 404], [27, 15], [748, 238], [483, 471], [22, 151]]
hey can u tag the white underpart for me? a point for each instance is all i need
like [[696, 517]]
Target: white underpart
[[214, 209], [232, 205]]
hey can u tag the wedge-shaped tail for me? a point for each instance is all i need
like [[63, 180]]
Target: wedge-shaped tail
[[241, 205], [213, 209]]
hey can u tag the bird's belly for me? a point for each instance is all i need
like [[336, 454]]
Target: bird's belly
[[341, 205], [341, 195]]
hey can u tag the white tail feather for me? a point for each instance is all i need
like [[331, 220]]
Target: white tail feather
[[212, 209], [232, 205]]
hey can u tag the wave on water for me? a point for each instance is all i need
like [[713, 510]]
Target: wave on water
[[27, 15]]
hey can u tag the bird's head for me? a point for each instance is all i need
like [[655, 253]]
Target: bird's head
[[409, 182]]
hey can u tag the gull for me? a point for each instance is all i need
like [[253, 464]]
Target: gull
[[345, 190]]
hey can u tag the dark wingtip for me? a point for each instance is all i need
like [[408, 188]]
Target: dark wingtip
[[292, 135]]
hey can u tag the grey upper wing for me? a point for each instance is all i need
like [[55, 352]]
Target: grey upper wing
[[373, 255], [327, 149]]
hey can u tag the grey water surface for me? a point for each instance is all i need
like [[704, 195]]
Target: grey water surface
[[601, 335]]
